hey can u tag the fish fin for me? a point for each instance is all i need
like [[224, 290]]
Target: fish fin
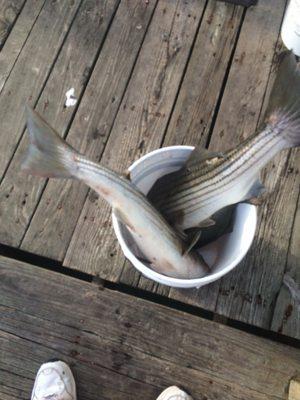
[[48, 155], [223, 225], [199, 155], [283, 110], [192, 242]]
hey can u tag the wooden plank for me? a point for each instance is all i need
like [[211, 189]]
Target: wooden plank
[[237, 118], [19, 193], [193, 113], [9, 11], [287, 313], [31, 71], [198, 96], [251, 293], [13, 45], [55, 218], [141, 121], [119, 346]]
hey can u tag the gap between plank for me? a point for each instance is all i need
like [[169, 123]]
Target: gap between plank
[[43, 86], [274, 304], [38, 344], [25, 41], [57, 267], [183, 75], [13, 24], [223, 86], [273, 61]]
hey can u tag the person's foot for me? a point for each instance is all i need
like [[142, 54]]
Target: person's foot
[[54, 381], [174, 393]]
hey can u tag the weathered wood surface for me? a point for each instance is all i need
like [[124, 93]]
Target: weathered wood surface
[[57, 213], [30, 72], [206, 71], [287, 311], [13, 45], [71, 70], [9, 11], [139, 126], [119, 347]]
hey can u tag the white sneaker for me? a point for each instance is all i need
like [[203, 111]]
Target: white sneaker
[[174, 393], [54, 381]]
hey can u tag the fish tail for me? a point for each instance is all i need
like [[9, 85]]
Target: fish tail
[[283, 111], [47, 155]]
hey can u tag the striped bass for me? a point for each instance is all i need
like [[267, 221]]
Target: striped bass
[[49, 155], [211, 181]]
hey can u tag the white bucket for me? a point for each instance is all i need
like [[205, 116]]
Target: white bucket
[[290, 31], [222, 255]]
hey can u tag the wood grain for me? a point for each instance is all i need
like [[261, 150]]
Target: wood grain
[[14, 43], [55, 219], [19, 193], [287, 312], [121, 347], [138, 128], [31, 71], [196, 104], [9, 11]]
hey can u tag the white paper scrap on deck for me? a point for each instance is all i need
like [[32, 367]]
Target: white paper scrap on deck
[[70, 98]]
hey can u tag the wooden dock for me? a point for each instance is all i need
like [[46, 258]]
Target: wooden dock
[[120, 346], [145, 74]]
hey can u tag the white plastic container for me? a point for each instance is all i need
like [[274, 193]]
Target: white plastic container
[[290, 31], [222, 255]]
